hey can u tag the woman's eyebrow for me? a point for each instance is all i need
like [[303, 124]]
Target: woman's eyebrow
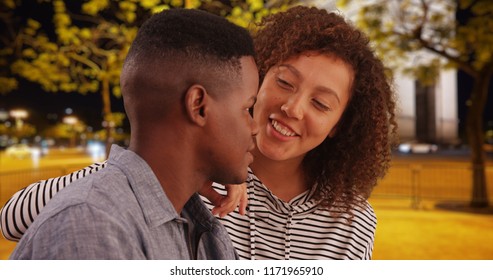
[[322, 89], [330, 91], [292, 69]]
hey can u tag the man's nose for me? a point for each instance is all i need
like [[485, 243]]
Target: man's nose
[[254, 126]]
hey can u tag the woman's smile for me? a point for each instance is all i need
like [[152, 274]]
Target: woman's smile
[[282, 129]]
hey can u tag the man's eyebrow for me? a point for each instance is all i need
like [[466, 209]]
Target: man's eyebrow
[[323, 89], [253, 99]]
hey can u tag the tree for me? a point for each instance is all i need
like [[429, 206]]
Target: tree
[[68, 132], [415, 29], [83, 53], [84, 48], [18, 132]]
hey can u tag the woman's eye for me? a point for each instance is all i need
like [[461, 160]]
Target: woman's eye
[[284, 84], [321, 106]]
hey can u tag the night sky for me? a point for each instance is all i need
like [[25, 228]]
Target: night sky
[[46, 108]]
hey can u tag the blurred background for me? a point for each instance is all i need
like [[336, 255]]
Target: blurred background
[[61, 108]]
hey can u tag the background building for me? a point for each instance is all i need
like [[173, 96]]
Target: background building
[[428, 113]]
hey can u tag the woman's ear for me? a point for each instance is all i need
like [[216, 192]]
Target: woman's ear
[[197, 104], [333, 131]]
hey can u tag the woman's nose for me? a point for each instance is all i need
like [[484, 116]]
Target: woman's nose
[[293, 107]]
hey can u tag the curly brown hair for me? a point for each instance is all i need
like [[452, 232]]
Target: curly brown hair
[[345, 168]]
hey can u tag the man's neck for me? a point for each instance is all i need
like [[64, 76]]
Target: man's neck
[[174, 169]]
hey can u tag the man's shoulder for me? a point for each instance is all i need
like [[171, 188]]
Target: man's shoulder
[[99, 188], [81, 214], [106, 191], [75, 231]]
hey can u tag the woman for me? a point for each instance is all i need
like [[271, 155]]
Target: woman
[[325, 111]]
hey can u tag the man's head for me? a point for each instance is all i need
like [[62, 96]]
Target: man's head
[[191, 69], [177, 48]]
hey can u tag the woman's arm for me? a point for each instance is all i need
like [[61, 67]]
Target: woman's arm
[[24, 206]]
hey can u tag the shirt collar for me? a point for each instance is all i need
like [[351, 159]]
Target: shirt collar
[[155, 205], [199, 213]]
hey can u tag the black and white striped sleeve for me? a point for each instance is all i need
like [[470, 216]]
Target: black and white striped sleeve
[[24, 206]]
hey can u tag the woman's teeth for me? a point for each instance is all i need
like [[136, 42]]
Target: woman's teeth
[[281, 129]]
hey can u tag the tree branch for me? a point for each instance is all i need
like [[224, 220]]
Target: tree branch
[[84, 61], [461, 64], [417, 34], [471, 5]]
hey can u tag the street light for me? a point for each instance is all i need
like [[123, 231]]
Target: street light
[[19, 115], [71, 121], [3, 115]]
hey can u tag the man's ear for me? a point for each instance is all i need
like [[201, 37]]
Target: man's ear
[[197, 104]]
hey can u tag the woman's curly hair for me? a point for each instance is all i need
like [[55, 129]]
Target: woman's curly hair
[[345, 168]]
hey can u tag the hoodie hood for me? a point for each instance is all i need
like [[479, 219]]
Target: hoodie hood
[[264, 206]]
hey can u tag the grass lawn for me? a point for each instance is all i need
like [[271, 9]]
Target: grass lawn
[[430, 233], [6, 247], [407, 234]]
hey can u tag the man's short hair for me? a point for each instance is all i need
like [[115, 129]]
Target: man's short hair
[[174, 49], [190, 35]]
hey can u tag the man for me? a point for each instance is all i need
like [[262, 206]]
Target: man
[[187, 83]]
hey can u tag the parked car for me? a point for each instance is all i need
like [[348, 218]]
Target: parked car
[[417, 148], [19, 151]]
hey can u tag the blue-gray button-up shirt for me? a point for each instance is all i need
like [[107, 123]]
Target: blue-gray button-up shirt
[[122, 212]]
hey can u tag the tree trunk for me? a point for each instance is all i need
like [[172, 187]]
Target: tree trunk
[[476, 140]]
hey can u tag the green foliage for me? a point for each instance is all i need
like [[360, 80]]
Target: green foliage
[[18, 132], [428, 34], [114, 119], [65, 131], [86, 50], [7, 84], [91, 40]]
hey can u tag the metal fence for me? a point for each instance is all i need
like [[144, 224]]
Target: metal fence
[[433, 181], [412, 181]]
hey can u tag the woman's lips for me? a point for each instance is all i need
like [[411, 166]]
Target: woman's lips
[[282, 128]]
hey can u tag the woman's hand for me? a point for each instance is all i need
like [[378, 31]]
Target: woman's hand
[[223, 205]]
